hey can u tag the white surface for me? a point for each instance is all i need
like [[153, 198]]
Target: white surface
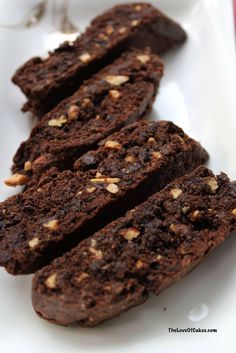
[[198, 93]]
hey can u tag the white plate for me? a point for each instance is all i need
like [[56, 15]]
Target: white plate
[[198, 93]]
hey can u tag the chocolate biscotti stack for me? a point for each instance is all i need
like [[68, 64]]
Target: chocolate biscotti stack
[[144, 252], [47, 81], [64, 208], [121, 93], [90, 160]]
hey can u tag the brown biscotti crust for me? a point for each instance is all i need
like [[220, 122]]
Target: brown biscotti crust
[[148, 250], [45, 82], [40, 224], [121, 93]]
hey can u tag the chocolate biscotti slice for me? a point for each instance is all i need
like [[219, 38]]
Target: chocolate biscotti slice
[[45, 82], [39, 224], [148, 250], [121, 93]]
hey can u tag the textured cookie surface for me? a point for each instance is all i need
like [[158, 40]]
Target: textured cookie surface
[[121, 93], [47, 81], [130, 165], [148, 250]]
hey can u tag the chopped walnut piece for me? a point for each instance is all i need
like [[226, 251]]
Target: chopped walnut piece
[[33, 242], [156, 155], [58, 122], [138, 7], [84, 89], [139, 264], [73, 112], [186, 260], [234, 212], [143, 58], [91, 190], [173, 227], [194, 216], [52, 224], [50, 282], [102, 36], [93, 242], [130, 159], [151, 140], [158, 257], [212, 183], [97, 254], [180, 229], [105, 180], [86, 102], [129, 233], [27, 166], [113, 145], [185, 209], [122, 30], [116, 80], [16, 179], [112, 188], [135, 23], [85, 58], [109, 30], [182, 250], [107, 288], [81, 277], [130, 213], [105, 266], [114, 94], [175, 193]]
